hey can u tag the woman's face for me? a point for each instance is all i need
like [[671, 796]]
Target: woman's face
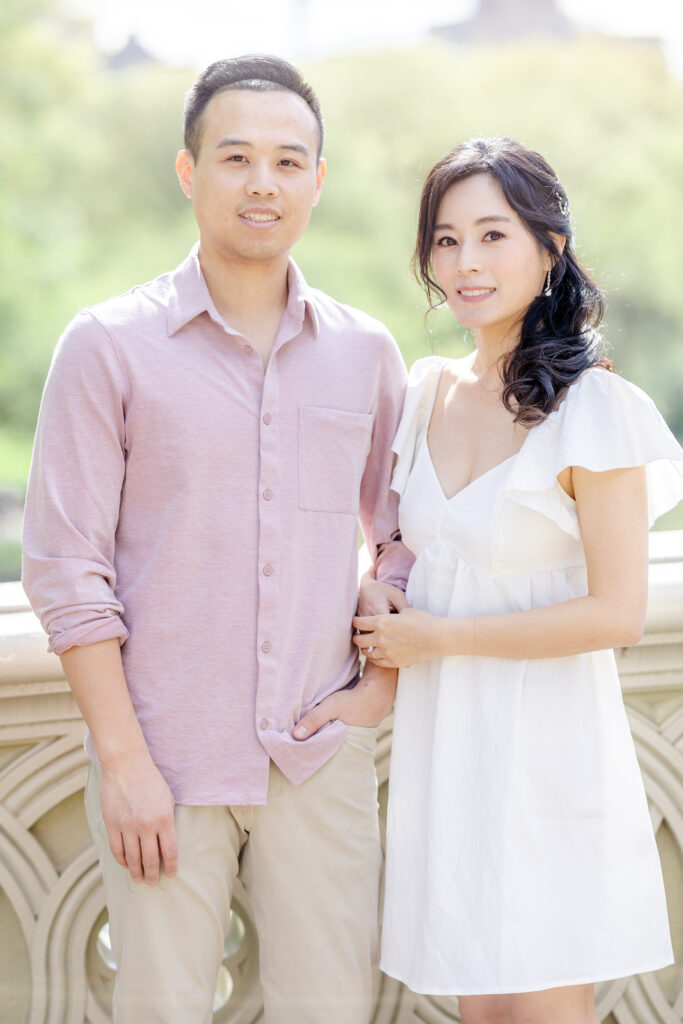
[[485, 260]]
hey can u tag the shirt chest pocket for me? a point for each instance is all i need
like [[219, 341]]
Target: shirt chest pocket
[[333, 449]]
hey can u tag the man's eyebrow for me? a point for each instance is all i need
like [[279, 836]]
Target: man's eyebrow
[[492, 218], [229, 141], [298, 147]]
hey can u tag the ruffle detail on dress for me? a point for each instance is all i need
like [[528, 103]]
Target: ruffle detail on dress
[[423, 381], [604, 423]]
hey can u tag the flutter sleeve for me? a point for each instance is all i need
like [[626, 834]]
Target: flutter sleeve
[[604, 422], [423, 381]]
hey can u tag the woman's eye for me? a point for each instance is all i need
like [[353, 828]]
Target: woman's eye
[[445, 241], [493, 236]]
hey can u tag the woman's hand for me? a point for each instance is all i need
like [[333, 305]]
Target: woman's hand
[[398, 641], [367, 704]]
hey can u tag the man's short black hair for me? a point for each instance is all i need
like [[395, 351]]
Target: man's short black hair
[[257, 72]]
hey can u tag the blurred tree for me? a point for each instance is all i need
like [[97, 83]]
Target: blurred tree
[[90, 204], [607, 116]]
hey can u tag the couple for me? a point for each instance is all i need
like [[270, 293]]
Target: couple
[[206, 445]]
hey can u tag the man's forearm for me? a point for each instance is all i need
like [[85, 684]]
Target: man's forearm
[[135, 800], [95, 675]]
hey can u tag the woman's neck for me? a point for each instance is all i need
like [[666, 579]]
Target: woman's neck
[[491, 349]]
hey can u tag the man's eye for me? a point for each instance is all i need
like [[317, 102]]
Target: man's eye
[[289, 163], [236, 158]]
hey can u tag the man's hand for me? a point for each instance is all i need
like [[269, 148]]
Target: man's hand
[[137, 809], [398, 641], [136, 803], [376, 598], [367, 704]]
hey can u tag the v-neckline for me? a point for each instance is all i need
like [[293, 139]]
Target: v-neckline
[[471, 483], [481, 476]]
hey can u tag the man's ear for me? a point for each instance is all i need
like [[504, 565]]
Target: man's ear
[[184, 167], [319, 178]]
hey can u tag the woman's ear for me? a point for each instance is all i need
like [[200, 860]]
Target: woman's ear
[[559, 240]]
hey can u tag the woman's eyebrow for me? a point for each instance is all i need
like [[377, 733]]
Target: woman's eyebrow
[[494, 217]]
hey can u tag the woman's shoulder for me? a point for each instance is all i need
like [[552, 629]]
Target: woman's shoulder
[[605, 380], [430, 368], [424, 369], [601, 394], [602, 422], [423, 382]]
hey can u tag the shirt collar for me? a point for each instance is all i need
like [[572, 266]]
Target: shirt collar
[[189, 297], [301, 298]]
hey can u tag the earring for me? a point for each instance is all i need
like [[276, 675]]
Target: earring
[[548, 289]]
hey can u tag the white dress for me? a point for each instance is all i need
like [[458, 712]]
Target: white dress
[[520, 852]]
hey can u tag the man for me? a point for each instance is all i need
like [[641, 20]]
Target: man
[[205, 446]]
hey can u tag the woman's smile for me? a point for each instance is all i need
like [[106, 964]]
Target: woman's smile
[[475, 294]]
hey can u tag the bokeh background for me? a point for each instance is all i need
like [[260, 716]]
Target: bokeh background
[[91, 109]]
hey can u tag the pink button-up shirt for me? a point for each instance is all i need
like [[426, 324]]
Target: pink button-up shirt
[[204, 511]]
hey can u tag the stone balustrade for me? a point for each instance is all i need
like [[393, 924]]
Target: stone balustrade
[[55, 962]]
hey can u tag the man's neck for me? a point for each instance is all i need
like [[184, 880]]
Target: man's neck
[[250, 297]]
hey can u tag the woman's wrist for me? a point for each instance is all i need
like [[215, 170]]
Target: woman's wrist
[[454, 635], [441, 636]]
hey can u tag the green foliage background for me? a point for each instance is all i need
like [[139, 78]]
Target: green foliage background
[[90, 204]]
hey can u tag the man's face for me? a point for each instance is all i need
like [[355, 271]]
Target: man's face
[[256, 178]]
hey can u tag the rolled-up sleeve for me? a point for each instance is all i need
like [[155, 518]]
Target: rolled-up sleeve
[[378, 510], [74, 491]]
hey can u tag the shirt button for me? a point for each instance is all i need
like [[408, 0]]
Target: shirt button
[[249, 350], [263, 724], [267, 570], [265, 647], [267, 418], [267, 494]]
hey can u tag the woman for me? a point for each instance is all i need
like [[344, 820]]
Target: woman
[[521, 863]]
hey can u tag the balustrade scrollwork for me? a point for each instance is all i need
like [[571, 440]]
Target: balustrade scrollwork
[[56, 965]]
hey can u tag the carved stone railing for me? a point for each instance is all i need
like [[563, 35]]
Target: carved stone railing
[[55, 963]]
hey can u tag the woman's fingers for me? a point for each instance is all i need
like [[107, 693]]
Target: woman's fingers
[[367, 623], [383, 662]]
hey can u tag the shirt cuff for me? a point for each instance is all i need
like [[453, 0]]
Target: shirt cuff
[[394, 563], [88, 633]]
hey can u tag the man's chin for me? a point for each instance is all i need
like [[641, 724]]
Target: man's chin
[[256, 255]]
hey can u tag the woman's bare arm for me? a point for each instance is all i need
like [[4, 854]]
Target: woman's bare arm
[[612, 510]]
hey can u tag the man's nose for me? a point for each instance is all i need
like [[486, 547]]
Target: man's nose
[[261, 181]]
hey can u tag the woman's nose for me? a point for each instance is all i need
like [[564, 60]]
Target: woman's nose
[[469, 258]]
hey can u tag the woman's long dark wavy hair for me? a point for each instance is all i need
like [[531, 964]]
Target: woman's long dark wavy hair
[[559, 338]]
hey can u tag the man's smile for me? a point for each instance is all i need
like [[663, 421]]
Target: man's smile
[[260, 216]]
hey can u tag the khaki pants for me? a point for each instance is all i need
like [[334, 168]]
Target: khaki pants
[[310, 861]]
